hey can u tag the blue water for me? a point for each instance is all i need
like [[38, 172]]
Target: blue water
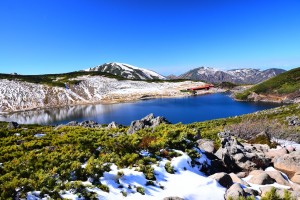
[[185, 110]]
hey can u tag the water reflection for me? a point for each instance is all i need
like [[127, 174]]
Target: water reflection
[[185, 110], [59, 115]]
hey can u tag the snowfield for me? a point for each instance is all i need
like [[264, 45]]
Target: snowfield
[[20, 96]]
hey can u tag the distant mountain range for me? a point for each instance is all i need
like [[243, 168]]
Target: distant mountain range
[[127, 71], [238, 76], [206, 74]]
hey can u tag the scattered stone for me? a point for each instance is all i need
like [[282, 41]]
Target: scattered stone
[[13, 125], [236, 179], [288, 163], [113, 125], [147, 122], [223, 178], [293, 121], [206, 145], [296, 178], [86, 124], [261, 179], [235, 191]]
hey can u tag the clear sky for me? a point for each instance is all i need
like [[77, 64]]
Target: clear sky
[[167, 36]]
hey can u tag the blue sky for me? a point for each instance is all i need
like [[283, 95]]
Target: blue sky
[[168, 36]]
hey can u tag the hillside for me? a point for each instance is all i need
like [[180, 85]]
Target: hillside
[[127, 71], [237, 76], [167, 160], [282, 88], [18, 93]]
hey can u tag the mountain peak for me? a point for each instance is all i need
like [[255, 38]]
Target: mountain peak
[[127, 71]]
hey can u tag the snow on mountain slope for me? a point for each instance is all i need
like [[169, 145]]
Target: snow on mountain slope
[[239, 76], [19, 95], [127, 71]]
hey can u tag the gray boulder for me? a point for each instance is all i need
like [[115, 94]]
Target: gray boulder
[[206, 145], [235, 191], [223, 178], [236, 179], [238, 157], [13, 125], [278, 177], [113, 125], [288, 163], [261, 179], [147, 122]]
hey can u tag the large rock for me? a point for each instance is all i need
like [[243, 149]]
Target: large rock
[[261, 179], [241, 157], [236, 179], [296, 178], [288, 163], [147, 122], [13, 125], [272, 153], [278, 177], [235, 191], [113, 125], [206, 145], [223, 179]]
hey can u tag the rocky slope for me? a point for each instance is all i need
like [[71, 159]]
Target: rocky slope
[[19, 95], [238, 76], [127, 71], [282, 88]]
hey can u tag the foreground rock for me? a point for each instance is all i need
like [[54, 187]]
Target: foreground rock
[[147, 122], [223, 179], [206, 145], [13, 125], [86, 124], [261, 179], [235, 191], [288, 163], [238, 157]]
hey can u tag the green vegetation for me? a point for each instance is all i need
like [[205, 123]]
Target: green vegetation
[[272, 195], [285, 83], [140, 190], [50, 163]]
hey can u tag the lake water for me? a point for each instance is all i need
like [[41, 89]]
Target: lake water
[[185, 110]]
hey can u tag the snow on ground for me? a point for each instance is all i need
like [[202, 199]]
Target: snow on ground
[[285, 143], [187, 182], [20, 96]]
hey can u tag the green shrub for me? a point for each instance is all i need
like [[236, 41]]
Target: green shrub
[[169, 168], [140, 190]]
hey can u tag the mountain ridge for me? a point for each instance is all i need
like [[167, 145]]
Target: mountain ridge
[[237, 76], [127, 71]]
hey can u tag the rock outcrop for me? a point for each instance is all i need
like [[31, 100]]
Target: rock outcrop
[[235, 191], [238, 157], [147, 122], [288, 163]]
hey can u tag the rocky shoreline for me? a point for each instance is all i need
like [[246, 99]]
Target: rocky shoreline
[[16, 96]]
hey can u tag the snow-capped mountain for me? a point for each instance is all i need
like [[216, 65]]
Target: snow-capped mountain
[[239, 76], [127, 71]]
